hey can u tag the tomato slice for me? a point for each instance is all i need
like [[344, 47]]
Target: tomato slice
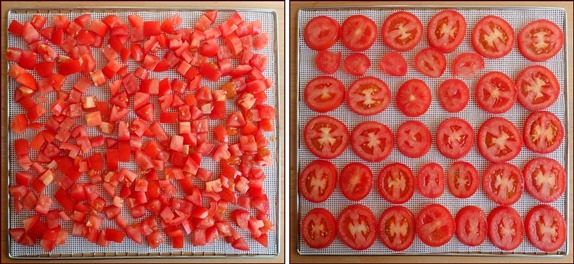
[[413, 98], [430, 62], [397, 228], [358, 33], [453, 95], [327, 61], [356, 64], [402, 31], [318, 228], [492, 37], [355, 181], [326, 137], [496, 92], [467, 65], [505, 228], [499, 140], [543, 132], [540, 40], [538, 87], [413, 139], [372, 141], [317, 181], [396, 183], [544, 179], [545, 228], [503, 183], [462, 179], [321, 33], [435, 225], [394, 64], [446, 30], [471, 226], [324, 94], [356, 227], [430, 180], [368, 96], [454, 138]]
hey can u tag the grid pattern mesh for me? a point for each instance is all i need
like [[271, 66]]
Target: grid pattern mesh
[[511, 65], [78, 245]]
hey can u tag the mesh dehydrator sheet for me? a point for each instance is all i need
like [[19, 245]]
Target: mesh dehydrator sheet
[[511, 64], [78, 246]]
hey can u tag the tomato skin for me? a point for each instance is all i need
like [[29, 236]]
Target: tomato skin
[[444, 41], [430, 62], [544, 179], [356, 64], [321, 33], [454, 138], [324, 94], [397, 228], [394, 64], [504, 43], [435, 225], [361, 217], [453, 95], [530, 34], [543, 132], [368, 96], [545, 228], [319, 176], [430, 180], [317, 142], [503, 183], [471, 226], [413, 139], [361, 141], [327, 61], [355, 181], [409, 27], [538, 87], [322, 220], [468, 173], [413, 98], [510, 221], [396, 183], [498, 128]]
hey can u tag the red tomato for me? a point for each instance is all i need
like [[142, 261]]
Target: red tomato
[[368, 96], [324, 94], [446, 30], [462, 179], [397, 228], [321, 33], [495, 92], [545, 228], [19, 124], [503, 183], [413, 139], [327, 61], [435, 225], [413, 98], [540, 40], [355, 181], [326, 137], [467, 65], [543, 132], [471, 226], [396, 183], [318, 228], [454, 138], [358, 32], [394, 64], [544, 179], [492, 37], [317, 181], [499, 140], [356, 64], [538, 87], [430, 180], [453, 95], [372, 141], [505, 228], [402, 31], [430, 62], [356, 227]]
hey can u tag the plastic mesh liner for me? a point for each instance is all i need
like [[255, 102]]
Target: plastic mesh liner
[[511, 65], [78, 246]]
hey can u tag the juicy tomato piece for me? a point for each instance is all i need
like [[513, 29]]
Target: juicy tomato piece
[[356, 64], [318, 228], [543, 132], [492, 37], [317, 181], [355, 181], [413, 98], [467, 65], [402, 31], [454, 138], [394, 64], [430, 62], [446, 30], [545, 228], [324, 94], [430, 180], [327, 61], [356, 227], [471, 226], [496, 92], [372, 141], [358, 33], [19, 124], [503, 183], [413, 139], [544, 179], [435, 225], [326, 137], [368, 96], [453, 95], [538, 87], [505, 228], [499, 140], [396, 183], [540, 40], [397, 228], [321, 33], [462, 179]]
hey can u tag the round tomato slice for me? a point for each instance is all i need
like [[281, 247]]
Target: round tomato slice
[[544, 179], [368, 96], [355, 181], [321, 33], [394, 64], [453, 95], [327, 61], [543, 132], [326, 137], [397, 228], [358, 32], [413, 98], [538, 87], [356, 227], [430, 62], [402, 31], [430, 180], [413, 139], [462, 179], [435, 225], [356, 64], [540, 40], [545, 228], [502, 182], [499, 140], [396, 183], [471, 226], [454, 138], [318, 228], [317, 181], [324, 94], [467, 65], [505, 229], [372, 141], [446, 30], [496, 92], [492, 37]]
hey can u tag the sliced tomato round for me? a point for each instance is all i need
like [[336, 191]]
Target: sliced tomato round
[[327, 61], [505, 228], [545, 228], [397, 228], [413, 98], [454, 138], [356, 227], [503, 183], [321, 33], [462, 179], [453, 95], [318, 228], [537, 87], [446, 30], [430, 62], [467, 65], [402, 31], [543, 132], [356, 64], [317, 181], [544, 179], [471, 226], [413, 139], [430, 180], [499, 140], [435, 225], [492, 37], [495, 92], [324, 94], [326, 137], [394, 64], [355, 181], [396, 183], [358, 32], [372, 141], [368, 96], [540, 40]]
